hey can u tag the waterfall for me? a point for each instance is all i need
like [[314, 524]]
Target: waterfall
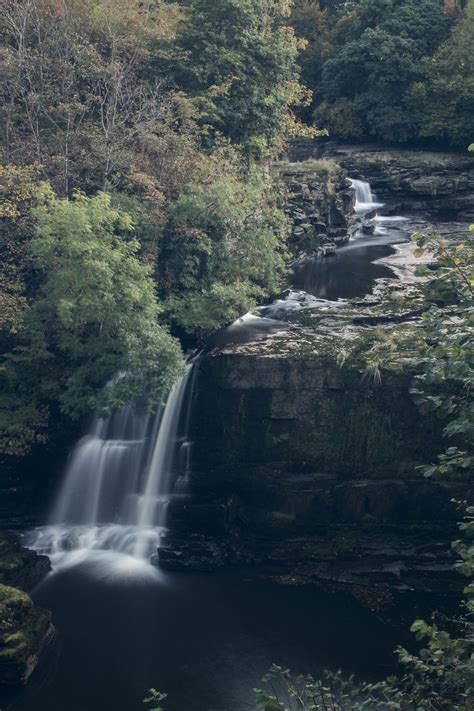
[[364, 198], [363, 192], [120, 479]]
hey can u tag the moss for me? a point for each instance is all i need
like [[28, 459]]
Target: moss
[[24, 629], [13, 597], [323, 166]]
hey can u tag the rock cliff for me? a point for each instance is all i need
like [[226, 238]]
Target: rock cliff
[[306, 453], [25, 629], [440, 185], [320, 206]]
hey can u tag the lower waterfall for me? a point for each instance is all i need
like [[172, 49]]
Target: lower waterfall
[[120, 479]]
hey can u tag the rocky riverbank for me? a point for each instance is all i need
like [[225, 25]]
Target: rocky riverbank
[[25, 629], [320, 206]]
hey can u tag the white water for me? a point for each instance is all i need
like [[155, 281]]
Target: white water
[[364, 199], [119, 482]]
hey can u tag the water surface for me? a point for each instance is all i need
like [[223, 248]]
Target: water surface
[[205, 640], [352, 271]]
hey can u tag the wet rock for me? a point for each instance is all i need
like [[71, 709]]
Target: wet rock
[[19, 566], [320, 205], [436, 184], [189, 552], [25, 630], [368, 228], [208, 517], [320, 458], [370, 214], [330, 249], [320, 227]]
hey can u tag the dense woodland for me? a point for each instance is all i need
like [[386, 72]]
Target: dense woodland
[[399, 72], [148, 126]]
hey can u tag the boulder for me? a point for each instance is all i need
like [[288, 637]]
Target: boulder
[[19, 566], [368, 228], [25, 630]]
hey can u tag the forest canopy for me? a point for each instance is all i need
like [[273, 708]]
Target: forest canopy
[[394, 70]]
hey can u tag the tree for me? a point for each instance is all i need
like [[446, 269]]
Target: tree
[[82, 94], [311, 23], [376, 52], [94, 316], [223, 247], [443, 101], [239, 59], [446, 385], [18, 187]]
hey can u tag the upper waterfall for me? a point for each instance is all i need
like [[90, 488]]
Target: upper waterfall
[[364, 198]]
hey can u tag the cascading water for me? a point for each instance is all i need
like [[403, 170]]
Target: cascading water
[[367, 209], [364, 198], [120, 479]]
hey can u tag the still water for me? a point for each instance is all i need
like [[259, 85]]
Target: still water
[[205, 640], [353, 270]]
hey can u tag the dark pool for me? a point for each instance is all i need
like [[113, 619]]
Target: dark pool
[[204, 639], [351, 272]]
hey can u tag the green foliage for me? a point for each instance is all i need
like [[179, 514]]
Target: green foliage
[[374, 69], [224, 247], [95, 314], [81, 94], [447, 382], [285, 692], [311, 22], [341, 116], [239, 60], [389, 69], [442, 102], [111, 103]]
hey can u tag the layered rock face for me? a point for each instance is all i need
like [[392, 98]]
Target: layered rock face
[[25, 629], [306, 458], [436, 184], [440, 185], [320, 206]]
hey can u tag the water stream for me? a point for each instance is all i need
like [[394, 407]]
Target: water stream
[[354, 268]]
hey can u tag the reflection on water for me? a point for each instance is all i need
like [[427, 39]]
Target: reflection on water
[[351, 272], [206, 642]]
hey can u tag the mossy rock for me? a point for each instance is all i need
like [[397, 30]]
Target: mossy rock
[[20, 567], [25, 630]]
